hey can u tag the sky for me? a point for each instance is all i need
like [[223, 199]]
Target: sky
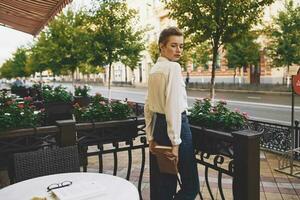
[[11, 39]]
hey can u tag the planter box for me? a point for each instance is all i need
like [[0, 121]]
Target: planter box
[[82, 101], [212, 141], [57, 111], [99, 133], [106, 132], [20, 91]]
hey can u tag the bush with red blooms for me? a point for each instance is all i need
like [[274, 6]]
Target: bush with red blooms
[[219, 117], [14, 115]]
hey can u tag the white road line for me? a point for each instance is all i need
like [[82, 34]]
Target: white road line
[[270, 120], [228, 101], [252, 103], [254, 97]]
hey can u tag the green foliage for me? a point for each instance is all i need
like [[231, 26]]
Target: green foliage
[[69, 35], [216, 117], [201, 55], [243, 52], [61, 47], [284, 46], [15, 67], [4, 98], [82, 90], [57, 94], [154, 51], [14, 115], [40, 55], [113, 35], [99, 111], [219, 21]]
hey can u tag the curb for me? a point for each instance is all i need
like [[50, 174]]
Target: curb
[[242, 91]]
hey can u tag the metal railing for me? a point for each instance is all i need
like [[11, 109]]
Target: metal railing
[[229, 153]]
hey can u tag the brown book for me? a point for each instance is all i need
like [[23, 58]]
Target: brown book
[[165, 159]]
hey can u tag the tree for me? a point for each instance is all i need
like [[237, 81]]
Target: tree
[[132, 48], [111, 28], [68, 40], [6, 70], [284, 36], [243, 52], [62, 46], [217, 21], [15, 67], [39, 56]]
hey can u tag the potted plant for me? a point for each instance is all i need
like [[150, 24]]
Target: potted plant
[[115, 118], [18, 119], [17, 115], [81, 95], [103, 122], [208, 121], [58, 103]]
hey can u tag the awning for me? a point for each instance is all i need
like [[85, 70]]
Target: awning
[[29, 16]]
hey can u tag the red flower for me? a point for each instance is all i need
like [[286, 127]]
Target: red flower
[[29, 98], [21, 105]]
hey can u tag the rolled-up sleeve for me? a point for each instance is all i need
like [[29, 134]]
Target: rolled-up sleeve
[[173, 104], [148, 120]]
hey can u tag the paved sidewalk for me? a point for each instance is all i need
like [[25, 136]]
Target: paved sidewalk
[[274, 185]]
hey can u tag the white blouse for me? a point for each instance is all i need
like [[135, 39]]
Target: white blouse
[[166, 95]]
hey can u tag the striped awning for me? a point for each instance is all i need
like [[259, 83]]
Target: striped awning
[[29, 16]]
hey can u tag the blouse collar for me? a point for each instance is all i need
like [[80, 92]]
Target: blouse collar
[[162, 59]]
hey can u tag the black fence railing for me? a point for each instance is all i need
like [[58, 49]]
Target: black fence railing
[[232, 154], [276, 137]]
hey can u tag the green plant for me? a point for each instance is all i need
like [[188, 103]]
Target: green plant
[[218, 117], [4, 98], [57, 94], [19, 115], [82, 90], [102, 111]]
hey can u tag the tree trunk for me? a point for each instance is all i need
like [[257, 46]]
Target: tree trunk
[[73, 78], [287, 77], [41, 77], [125, 74], [109, 77], [213, 72], [234, 75]]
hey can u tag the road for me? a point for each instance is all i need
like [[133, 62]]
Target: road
[[263, 107]]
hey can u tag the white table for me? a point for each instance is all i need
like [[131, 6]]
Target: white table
[[114, 188]]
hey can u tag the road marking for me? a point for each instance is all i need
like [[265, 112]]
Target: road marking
[[270, 120], [254, 97], [252, 103], [193, 98]]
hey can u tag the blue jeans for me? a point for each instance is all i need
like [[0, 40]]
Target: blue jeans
[[163, 186]]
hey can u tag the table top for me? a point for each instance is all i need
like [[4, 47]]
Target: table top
[[110, 187]]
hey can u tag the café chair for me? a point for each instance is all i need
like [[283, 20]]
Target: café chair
[[43, 162]]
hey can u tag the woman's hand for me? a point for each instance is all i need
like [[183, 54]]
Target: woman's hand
[[175, 150], [152, 144]]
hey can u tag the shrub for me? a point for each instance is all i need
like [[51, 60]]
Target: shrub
[[217, 117]]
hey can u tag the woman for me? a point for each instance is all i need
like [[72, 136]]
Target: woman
[[167, 123]]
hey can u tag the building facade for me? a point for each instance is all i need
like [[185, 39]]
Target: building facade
[[153, 14]]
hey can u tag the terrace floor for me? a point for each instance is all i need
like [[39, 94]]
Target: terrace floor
[[274, 185]]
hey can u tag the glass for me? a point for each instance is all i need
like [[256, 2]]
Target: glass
[[54, 186]]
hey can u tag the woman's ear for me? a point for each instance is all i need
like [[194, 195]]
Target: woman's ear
[[161, 45]]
